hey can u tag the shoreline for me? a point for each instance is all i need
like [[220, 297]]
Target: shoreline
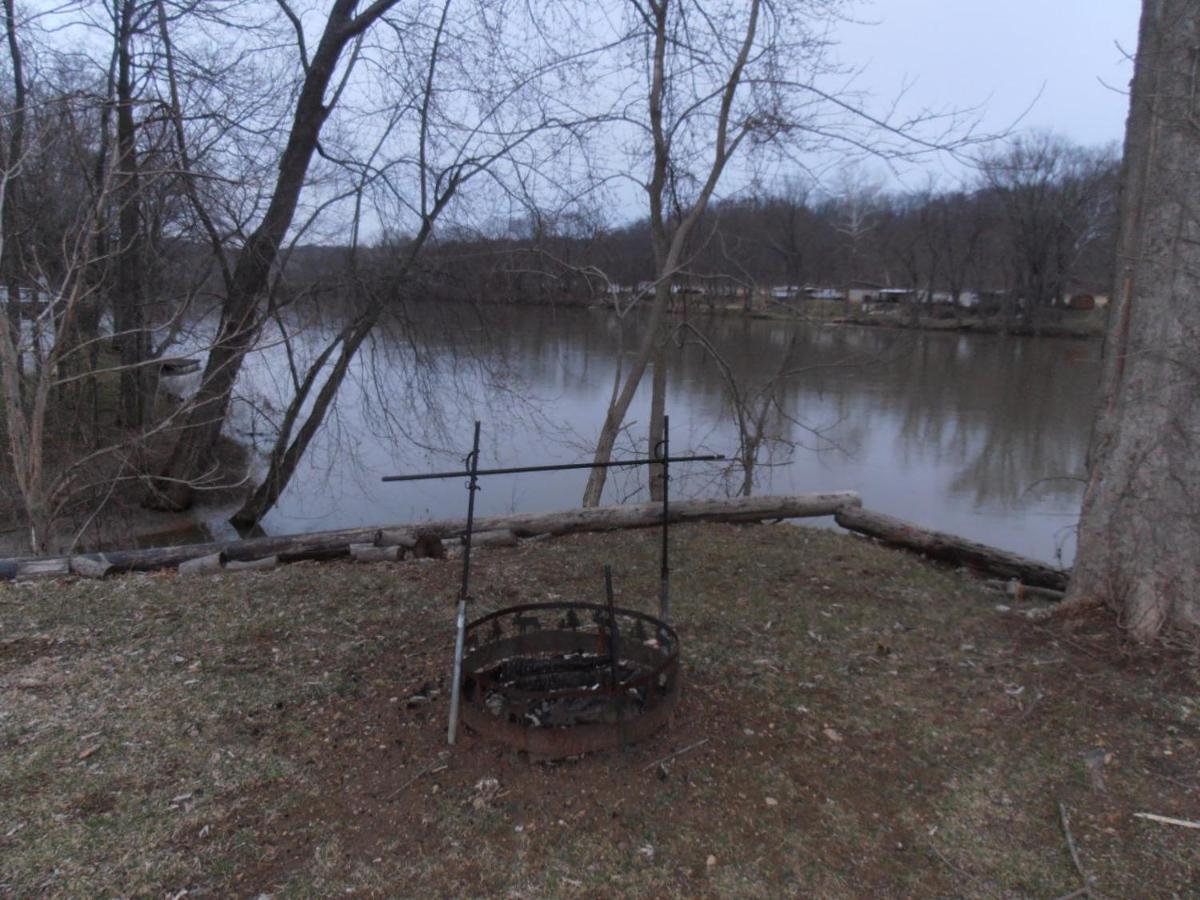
[[1093, 329]]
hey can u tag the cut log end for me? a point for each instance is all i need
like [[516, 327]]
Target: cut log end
[[89, 567]]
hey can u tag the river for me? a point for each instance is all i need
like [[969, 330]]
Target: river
[[978, 435]]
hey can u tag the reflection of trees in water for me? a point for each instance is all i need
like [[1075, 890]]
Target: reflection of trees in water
[[1004, 414], [1011, 415]]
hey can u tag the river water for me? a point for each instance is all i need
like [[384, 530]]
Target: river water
[[982, 436]]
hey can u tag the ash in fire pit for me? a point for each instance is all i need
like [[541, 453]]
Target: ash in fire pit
[[561, 679]]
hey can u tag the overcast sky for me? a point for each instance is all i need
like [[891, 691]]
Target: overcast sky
[[1060, 65], [1002, 54]]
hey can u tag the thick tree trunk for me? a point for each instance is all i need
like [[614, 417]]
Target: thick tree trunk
[[238, 329], [1139, 534], [128, 318]]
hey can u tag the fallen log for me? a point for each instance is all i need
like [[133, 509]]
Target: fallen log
[[371, 553], [43, 568], [202, 565], [402, 537], [501, 537], [252, 565], [949, 547], [332, 544]]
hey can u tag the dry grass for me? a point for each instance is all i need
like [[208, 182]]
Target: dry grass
[[238, 734]]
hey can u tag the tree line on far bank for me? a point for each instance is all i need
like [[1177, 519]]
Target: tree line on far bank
[[1034, 223]]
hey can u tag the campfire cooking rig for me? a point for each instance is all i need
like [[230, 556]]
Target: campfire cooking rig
[[561, 679]]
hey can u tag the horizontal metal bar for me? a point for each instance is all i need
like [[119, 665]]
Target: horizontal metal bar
[[517, 470]]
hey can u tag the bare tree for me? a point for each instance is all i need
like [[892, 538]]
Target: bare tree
[[249, 277], [1139, 534], [1054, 195], [698, 111], [59, 454], [429, 150]]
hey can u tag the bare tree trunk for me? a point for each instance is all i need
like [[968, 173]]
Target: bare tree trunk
[[286, 454], [127, 297], [10, 226], [238, 329], [669, 244], [1139, 535], [658, 409], [620, 405]]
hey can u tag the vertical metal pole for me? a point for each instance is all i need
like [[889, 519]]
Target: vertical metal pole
[[614, 659], [664, 593], [461, 622]]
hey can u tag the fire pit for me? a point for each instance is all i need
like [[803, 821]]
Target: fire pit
[[562, 679]]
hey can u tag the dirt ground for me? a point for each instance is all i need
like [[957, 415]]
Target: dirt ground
[[856, 723]]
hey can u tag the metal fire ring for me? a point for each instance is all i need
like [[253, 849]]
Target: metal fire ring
[[542, 677]]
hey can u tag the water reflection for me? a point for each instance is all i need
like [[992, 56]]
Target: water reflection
[[977, 435]]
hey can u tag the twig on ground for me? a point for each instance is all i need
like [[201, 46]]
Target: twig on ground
[[1070, 643], [1186, 785], [973, 879], [671, 756], [429, 769], [1167, 820], [1065, 821]]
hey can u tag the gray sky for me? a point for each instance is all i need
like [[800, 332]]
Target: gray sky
[[1025, 64], [1001, 54]]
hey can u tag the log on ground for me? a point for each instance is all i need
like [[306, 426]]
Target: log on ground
[[332, 544], [264, 564], [201, 565], [501, 537], [951, 548], [43, 568], [371, 554]]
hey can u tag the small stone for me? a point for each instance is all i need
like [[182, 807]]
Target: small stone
[[771, 801], [711, 861]]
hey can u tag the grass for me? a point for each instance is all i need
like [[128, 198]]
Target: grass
[[252, 733]]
